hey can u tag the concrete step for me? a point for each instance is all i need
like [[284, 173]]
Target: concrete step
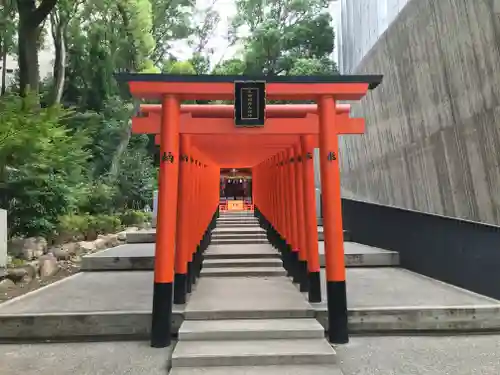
[[239, 241], [238, 224], [251, 218], [237, 214], [243, 272], [230, 235], [249, 262], [252, 353], [321, 235], [260, 370], [238, 230], [142, 236], [220, 254], [237, 221], [250, 329]]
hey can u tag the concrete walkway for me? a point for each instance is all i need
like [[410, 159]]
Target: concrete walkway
[[250, 319]]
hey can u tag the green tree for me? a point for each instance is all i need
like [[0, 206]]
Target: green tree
[[283, 33], [43, 165], [232, 66]]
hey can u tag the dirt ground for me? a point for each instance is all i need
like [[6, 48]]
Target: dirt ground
[[66, 269]]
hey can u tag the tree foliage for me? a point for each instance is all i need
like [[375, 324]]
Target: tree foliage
[[66, 148], [283, 34]]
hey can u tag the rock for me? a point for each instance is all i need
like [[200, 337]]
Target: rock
[[111, 240], [122, 236], [131, 229], [27, 248], [60, 253], [17, 274], [87, 246], [48, 265], [33, 269], [72, 248], [6, 284], [100, 244]]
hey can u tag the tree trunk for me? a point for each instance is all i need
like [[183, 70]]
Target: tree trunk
[[127, 129], [59, 62], [29, 76], [30, 19], [4, 67]]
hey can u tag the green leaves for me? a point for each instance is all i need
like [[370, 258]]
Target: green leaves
[[47, 164], [281, 32]]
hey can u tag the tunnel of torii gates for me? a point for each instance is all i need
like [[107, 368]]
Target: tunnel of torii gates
[[277, 143]]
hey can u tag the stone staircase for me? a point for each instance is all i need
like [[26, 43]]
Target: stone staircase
[[248, 338]]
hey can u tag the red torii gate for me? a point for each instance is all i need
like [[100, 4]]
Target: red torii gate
[[280, 154]]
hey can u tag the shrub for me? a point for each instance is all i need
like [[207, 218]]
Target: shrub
[[72, 227], [104, 224], [101, 199], [88, 227], [46, 166], [133, 217]]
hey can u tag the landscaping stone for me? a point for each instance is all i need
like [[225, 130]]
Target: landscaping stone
[[48, 265], [87, 246], [27, 248], [6, 284], [61, 253], [17, 274]]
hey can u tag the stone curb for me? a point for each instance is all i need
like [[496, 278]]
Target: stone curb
[[413, 319]]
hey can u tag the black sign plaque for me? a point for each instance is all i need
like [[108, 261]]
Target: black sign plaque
[[249, 103]]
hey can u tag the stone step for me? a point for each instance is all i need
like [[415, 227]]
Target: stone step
[[250, 218], [260, 370], [240, 255], [237, 213], [243, 221], [252, 353], [250, 329], [238, 224], [243, 272], [142, 236], [248, 262], [321, 235], [238, 230], [230, 235], [239, 241]]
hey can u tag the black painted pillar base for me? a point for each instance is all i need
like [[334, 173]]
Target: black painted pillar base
[[296, 267], [180, 288], [198, 260], [314, 287], [161, 325], [337, 312], [287, 250], [190, 276], [304, 279]]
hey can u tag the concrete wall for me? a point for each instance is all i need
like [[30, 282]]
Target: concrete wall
[[433, 126], [3, 239], [359, 26]]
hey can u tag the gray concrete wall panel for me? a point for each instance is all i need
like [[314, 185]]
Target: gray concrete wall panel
[[362, 22], [432, 140]]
